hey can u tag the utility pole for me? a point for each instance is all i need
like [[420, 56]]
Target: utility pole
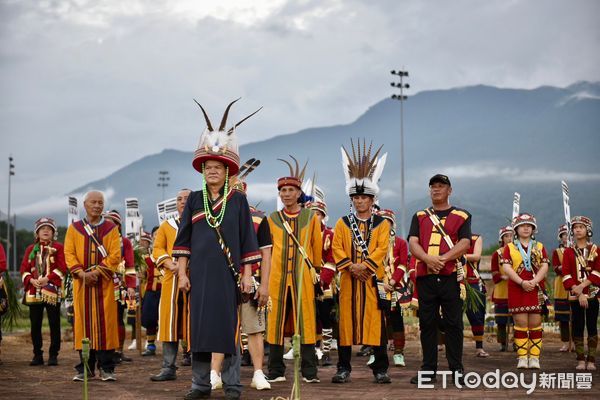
[[163, 181], [14, 243], [401, 97]]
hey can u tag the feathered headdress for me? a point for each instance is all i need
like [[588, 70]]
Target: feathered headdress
[[363, 169], [220, 145], [316, 197], [296, 175], [239, 181]]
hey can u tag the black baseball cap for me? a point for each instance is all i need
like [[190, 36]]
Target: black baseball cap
[[439, 178]]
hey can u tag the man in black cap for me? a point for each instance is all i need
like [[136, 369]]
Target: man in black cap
[[439, 236]]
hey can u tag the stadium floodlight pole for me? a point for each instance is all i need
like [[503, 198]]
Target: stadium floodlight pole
[[163, 181], [14, 242], [401, 97], [11, 172]]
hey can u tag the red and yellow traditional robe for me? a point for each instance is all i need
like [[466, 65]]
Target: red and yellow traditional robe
[[398, 259], [127, 267], [286, 262], [2, 260], [328, 268], [434, 244], [96, 303], [559, 290], [171, 325], [47, 261], [500, 292], [520, 301], [153, 278], [577, 269], [361, 320]]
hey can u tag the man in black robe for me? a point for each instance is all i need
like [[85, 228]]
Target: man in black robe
[[213, 291]]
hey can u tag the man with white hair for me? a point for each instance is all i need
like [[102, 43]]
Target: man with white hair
[[93, 253]]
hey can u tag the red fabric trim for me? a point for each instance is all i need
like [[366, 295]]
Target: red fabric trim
[[76, 268], [230, 159], [398, 275], [289, 181], [251, 257], [326, 277]]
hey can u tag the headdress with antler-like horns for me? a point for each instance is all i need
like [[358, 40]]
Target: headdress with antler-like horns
[[220, 145], [239, 181], [363, 169], [296, 175]]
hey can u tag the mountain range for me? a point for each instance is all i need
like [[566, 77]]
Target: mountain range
[[490, 141]]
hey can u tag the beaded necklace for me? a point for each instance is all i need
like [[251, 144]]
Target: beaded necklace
[[212, 220], [526, 256], [363, 245]]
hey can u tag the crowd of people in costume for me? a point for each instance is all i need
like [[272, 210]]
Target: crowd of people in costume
[[223, 280]]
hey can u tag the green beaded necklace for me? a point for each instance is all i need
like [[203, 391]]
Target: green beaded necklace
[[212, 220]]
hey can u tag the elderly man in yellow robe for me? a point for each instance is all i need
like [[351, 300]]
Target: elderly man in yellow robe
[[93, 253], [291, 227], [172, 311], [360, 246]]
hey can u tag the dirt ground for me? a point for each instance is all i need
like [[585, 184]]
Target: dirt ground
[[20, 381]]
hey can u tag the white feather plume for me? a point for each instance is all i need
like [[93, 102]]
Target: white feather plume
[[345, 165], [378, 170]]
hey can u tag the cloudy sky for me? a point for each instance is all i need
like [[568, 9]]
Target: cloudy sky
[[86, 87]]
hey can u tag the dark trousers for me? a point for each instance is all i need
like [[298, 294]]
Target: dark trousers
[[150, 305], [435, 292], [230, 372], [324, 313], [120, 314], [104, 359], [396, 320], [585, 318], [381, 362], [36, 317], [380, 365], [308, 365]]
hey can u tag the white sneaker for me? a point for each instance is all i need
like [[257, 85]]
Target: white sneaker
[[259, 381], [523, 363], [289, 355], [311, 380], [399, 360], [133, 345], [371, 359], [215, 380], [274, 379], [334, 345], [534, 363], [319, 353]]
